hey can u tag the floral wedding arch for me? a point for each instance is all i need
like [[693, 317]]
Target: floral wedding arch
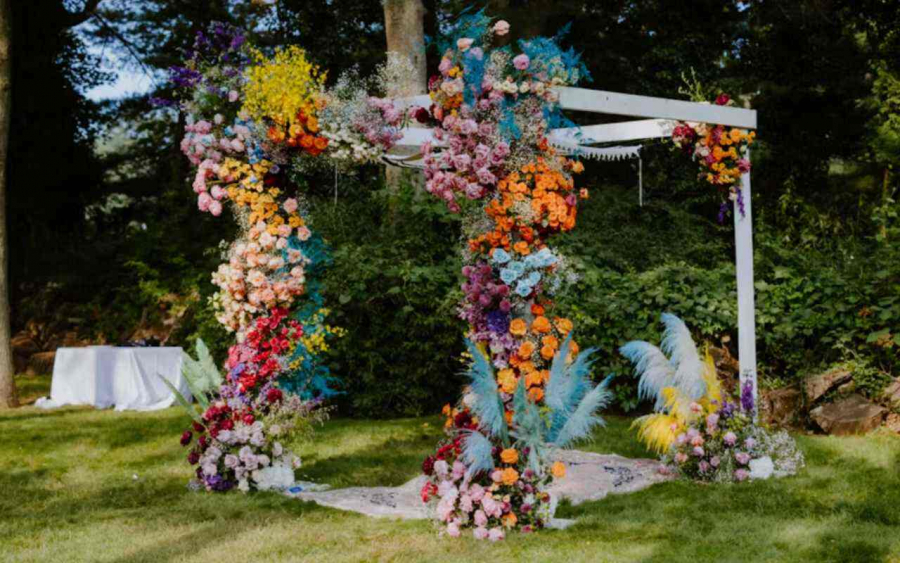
[[495, 146]]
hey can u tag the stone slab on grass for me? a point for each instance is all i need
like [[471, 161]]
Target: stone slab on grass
[[589, 477]]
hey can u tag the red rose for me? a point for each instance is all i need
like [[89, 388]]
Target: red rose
[[248, 419], [722, 100], [186, 438], [428, 466], [274, 395], [198, 427], [422, 115], [193, 458]]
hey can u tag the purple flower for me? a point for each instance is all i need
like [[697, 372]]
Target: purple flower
[[741, 475], [730, 439], [748, 401], [742, 457]]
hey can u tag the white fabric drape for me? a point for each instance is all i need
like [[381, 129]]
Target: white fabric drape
[[105, 376]]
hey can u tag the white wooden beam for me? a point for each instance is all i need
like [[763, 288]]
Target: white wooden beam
[[615, 132], [743, 242], [600, 101]]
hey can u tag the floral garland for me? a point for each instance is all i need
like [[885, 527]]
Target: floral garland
[[251, 121], [491, 162], [721, 153]]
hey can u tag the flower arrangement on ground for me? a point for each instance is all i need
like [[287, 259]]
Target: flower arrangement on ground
[[490, 161], [699, 432]]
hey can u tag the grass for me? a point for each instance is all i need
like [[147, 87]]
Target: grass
[[77, 484]]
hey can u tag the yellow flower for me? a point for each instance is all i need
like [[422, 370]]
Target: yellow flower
[[509, 476], [282, 87], [558, 470], [509, 455]]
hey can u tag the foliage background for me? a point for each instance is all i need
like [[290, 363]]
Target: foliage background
[[105, 237]]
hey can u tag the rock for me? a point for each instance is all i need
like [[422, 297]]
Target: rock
[[781, 406], [892, 422], [816, 386], [41, 363], [891, 394], [853, 415]]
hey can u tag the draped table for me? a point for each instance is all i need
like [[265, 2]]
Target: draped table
[[105, 376]]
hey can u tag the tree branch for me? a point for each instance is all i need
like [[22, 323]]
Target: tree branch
[[86, 13]]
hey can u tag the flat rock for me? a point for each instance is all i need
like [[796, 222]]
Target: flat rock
[[816, 386], [589, 476], [853, 415]]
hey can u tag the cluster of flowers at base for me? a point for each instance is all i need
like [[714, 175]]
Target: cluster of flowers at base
[[719, 150], [510, 497], [728, 447], [262, 273], [719, 448], [241, 445]]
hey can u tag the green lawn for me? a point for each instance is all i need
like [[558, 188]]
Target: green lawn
[[78, 484]]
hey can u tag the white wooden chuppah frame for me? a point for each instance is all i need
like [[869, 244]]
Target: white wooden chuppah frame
[[661, 112]]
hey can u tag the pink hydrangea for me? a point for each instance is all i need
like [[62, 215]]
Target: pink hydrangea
[[521, 62]]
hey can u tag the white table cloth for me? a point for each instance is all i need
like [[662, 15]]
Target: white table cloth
[[105, 376]]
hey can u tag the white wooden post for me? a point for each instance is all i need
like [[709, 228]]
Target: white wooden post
[[743, 241]]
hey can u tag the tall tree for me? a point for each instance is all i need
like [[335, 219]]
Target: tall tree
[[404, 26], [8, 396]]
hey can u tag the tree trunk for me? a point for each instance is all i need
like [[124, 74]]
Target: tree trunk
[[404, 26], [8, 396]]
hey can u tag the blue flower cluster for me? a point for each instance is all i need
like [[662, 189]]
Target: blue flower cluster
[[524, 273]]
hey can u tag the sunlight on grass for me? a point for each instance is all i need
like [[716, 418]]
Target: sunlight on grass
[[85, 485]]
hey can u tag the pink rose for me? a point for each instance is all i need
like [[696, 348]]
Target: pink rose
[[453, 530], [730, 438], [233, 96], [480, 533], [501, 28], [521, 62], [496, 534], [741, 475], [464, 43], [290, 205], [480, 518]]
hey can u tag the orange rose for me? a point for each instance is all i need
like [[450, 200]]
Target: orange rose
[[541, 325], [547, 352], [518, 327], [522, 248], [509, 455], [558, 470], [526, 349], [563, 325], [533, 378], [508, 415], [510, 476], [446, 410], [550, 341], [507, 380], [526, 367], [545, 375], [535, 394]]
